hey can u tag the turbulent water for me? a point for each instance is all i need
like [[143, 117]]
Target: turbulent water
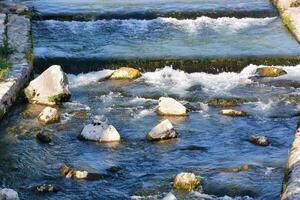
[[163, 38], [207, 143]]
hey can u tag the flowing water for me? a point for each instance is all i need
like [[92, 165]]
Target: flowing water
[[207, 144]]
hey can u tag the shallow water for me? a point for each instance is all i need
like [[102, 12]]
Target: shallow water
[[142, 7], [207, 143], [163, 38]]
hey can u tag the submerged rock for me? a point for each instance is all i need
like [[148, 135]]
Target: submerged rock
[[239, 169], [233, 113], [169, 106], [185, 182], [114, 169], [46, 188], [259, 140], [125, 73], [162, 131], [8, 194], [77, 174], [226, 102], [100, 132], [270, 72], [170, 196], [43, 137], [50, 88], [49, 115]]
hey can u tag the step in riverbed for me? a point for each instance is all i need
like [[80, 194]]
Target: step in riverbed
[[201, 44], [149, 9]]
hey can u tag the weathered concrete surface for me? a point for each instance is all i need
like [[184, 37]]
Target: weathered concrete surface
[[289, 11], [18, 38], [291, 182]]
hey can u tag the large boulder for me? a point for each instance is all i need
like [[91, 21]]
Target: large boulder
[[162, 131], [170, 196], [185, 182], [270, 72], [233, 113], [100, 132], [8, 194], [125, 73], [50, 88], [169, 106], [49, 115]]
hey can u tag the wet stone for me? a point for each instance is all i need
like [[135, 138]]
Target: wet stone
[[46, 188], [43, 137], [259, 140], [114, 169], [226, 102], [242, 168]]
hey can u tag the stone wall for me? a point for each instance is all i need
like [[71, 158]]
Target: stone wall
[[15, 29], [289, 11], [291, 181]]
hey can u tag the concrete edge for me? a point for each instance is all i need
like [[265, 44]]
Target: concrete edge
[[291, 180], [21, 67], [290, 16]]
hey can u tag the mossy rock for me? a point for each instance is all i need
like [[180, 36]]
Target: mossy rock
[[125, 73], [242, 168], [186, 182], [58, 99], [270, 72], [226, 102]]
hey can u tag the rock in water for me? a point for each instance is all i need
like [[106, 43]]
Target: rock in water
[[43, 138], [243, 168], [226, 102], [162, 131], [169, 106], [233, 113], [185, 182], [46, 188], [8, 194], [259, 140], [50, 88], [76, 174], [170, 196], [100, 132], [125, 73], [49, 115], [270, 72]]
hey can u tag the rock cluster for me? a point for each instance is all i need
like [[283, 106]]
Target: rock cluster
[[77, 174], [100, 132]]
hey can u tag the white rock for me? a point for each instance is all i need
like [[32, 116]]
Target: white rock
[[100, 132], [169, 106], [233, 113], [8, 194], [49, 115], [170, 196], [162, 131], [185, 181], [50, 88]]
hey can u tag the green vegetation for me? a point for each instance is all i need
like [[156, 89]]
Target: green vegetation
[[5, 51], [28, 13], [285, 180], [4, 67], [226, 102], [59, 98]]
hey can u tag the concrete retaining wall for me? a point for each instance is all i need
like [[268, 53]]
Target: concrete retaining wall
[[291, 181], [17, 29]]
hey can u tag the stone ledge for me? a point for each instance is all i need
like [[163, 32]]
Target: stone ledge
[[18, 37], [289, 11], [291, 181]]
